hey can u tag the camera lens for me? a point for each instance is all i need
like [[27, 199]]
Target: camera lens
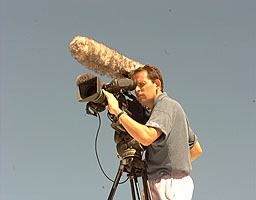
[[91, 91]]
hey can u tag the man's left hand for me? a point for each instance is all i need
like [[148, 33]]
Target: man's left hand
[[113, 105]]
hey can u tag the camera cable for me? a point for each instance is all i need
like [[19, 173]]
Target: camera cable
[[97, 155]]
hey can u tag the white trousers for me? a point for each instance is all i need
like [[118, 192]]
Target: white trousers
[[168, 188]]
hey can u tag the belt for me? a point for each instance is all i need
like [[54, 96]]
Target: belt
[[178, 175]]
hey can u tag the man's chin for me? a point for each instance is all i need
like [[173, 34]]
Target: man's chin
[[142, 101]]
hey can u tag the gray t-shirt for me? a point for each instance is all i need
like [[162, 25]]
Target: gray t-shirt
[[170, 153]]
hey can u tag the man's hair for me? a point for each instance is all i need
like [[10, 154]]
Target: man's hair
[[153, 74]]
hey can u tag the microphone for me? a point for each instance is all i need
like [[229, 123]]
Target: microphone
[[100, 58]]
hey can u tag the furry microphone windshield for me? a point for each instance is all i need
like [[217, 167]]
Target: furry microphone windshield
[[100, 58]]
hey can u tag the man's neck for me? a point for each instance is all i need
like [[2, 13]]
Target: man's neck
[[152, 104]]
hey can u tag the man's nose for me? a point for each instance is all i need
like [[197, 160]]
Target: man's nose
[[137, 89]]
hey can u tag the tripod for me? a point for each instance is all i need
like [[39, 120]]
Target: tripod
[[135, 168]]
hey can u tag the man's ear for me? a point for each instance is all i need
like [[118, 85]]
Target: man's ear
[[158, 83]]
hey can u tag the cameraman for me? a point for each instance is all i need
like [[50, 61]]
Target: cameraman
[[167, 135]]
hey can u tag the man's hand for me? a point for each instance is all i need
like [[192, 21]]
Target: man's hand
[[113, 105]]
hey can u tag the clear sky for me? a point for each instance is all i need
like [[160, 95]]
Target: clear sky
[[205, 50]]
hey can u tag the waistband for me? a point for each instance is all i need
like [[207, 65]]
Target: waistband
[[176, 175]]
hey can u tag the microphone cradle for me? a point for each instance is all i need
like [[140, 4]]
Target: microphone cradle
[[134, 167]]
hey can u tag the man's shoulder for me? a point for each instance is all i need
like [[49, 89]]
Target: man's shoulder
[[165, 100]]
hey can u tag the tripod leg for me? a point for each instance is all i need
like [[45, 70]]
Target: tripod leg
[[146, 186], [136, 184], [132, 188], [115, 184]]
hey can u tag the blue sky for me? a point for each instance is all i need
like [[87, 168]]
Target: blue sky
[[205, 50]]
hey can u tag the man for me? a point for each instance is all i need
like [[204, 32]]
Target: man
[[167, 135]]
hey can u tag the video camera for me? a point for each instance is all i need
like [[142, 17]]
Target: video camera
[[90, 91]]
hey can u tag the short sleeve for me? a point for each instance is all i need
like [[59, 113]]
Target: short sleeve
[[161, 120]]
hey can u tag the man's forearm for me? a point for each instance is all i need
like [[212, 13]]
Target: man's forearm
[[143, 134]]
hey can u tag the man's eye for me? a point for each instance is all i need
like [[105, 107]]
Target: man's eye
[[141, 85]]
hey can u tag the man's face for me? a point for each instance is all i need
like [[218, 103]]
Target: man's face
[[146, 90]]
